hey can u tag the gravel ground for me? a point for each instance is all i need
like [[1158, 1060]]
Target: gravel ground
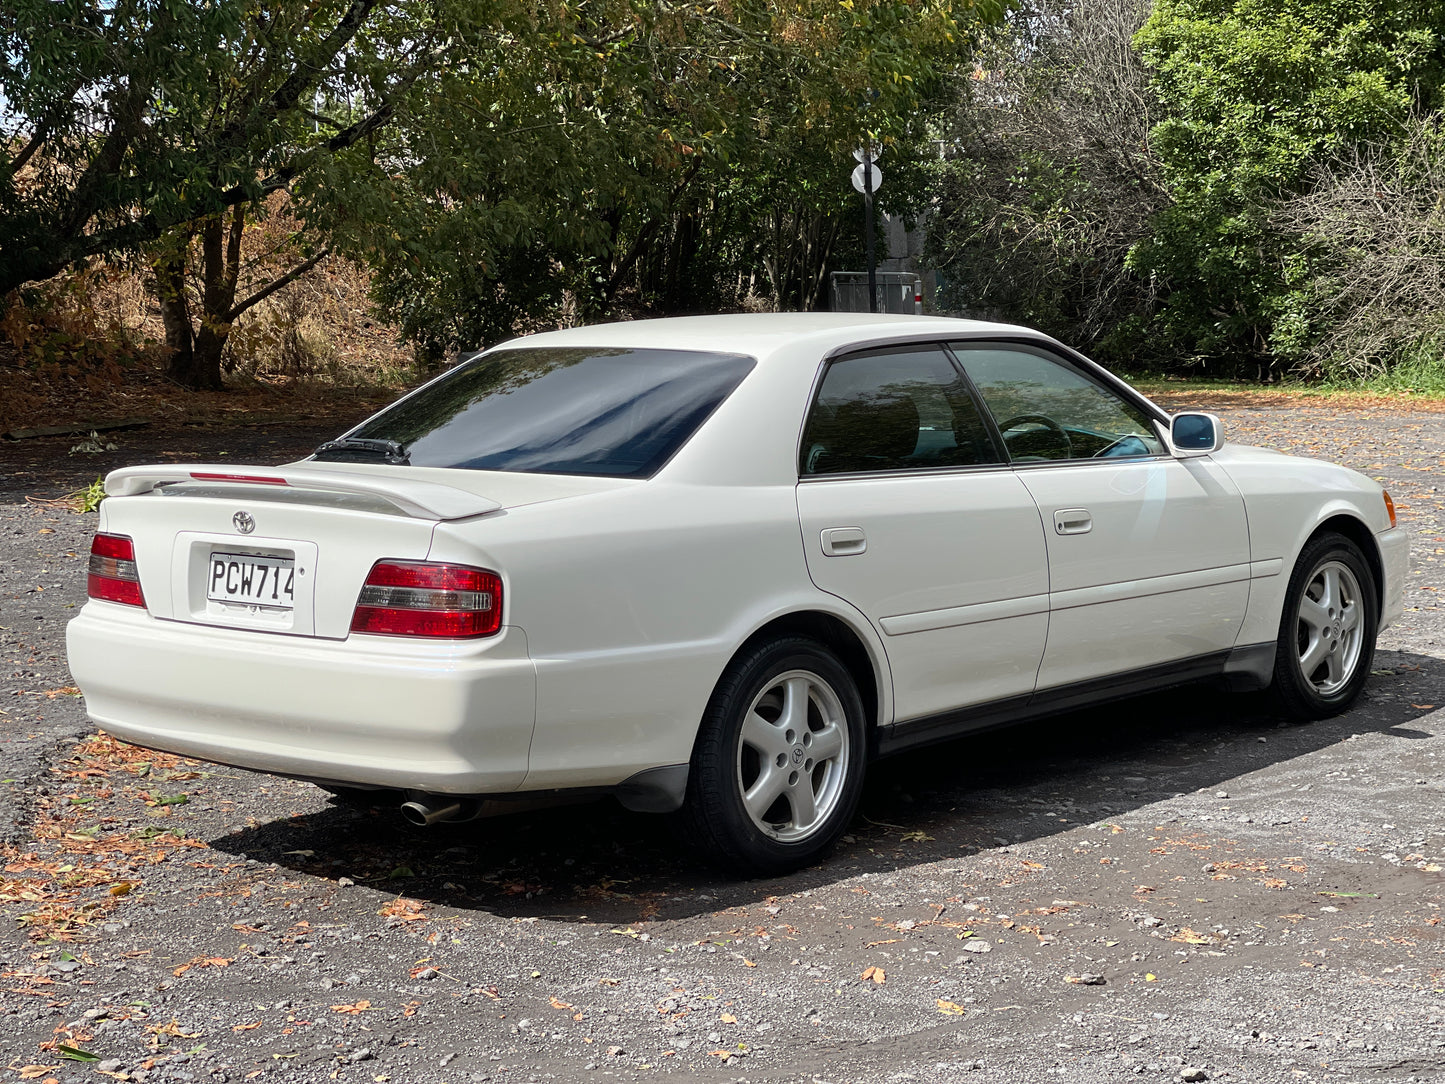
[[1179, 887]]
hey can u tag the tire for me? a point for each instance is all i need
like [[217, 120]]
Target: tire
[[786, 726], [1327, 630]]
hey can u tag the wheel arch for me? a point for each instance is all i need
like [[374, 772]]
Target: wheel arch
[[1359, 533], [870, 673]]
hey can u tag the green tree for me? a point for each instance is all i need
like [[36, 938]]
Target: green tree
[[1258, 94], [150, 123], [635, 147], [1050, 179]]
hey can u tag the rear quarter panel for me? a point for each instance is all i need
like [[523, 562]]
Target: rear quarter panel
[[633, 602]]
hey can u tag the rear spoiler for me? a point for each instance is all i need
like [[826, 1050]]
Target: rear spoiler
[[422, 500]]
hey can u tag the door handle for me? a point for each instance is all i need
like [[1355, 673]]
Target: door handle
[[844, 541], [1073, 521]]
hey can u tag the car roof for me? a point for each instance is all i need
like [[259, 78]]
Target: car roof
[[760, 334]]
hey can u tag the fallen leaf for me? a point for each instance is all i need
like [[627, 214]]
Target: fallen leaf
[[202, 961], [876, 974], [558, 1003], [1187, 936], [728, 1018], [1423, 707], [358, 1007], [120, 888], [917, 836], [30, 1072], [246, 1027], [1151, 977], [74, 1053], [403, 910], [949, 1008]]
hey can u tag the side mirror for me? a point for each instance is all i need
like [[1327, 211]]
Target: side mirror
[[1195, 434]]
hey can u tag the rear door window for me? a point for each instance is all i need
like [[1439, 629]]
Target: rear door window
[[622, 413], [903, 408]]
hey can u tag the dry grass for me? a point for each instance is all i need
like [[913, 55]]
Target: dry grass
[[89, 345]]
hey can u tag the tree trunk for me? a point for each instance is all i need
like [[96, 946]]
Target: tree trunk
[[169, 265], [195, 360], [220, 270]]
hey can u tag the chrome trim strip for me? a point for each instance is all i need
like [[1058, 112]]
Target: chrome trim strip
[[973, 614], [979, 612], [1154, 585]]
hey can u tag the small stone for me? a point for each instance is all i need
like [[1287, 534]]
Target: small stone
[[976, 945], [1088, 978], [907, 924], [1190, 1074], [428, 973], [615, 1051], [447, 1059], [344, 882], [111, 1065], [1221, 794], [364, 1054]]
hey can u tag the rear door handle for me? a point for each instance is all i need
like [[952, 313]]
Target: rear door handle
[[1073, 521], [844, 541]]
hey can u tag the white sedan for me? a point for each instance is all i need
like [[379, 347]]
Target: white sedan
[[714, 566]]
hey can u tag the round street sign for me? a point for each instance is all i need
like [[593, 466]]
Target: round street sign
[[858, 178], [876, 149]]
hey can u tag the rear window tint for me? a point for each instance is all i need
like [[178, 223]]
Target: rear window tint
[[561, 410]]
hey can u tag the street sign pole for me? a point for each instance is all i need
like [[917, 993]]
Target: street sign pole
[[868, 226]]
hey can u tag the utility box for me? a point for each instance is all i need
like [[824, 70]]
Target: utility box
[[898, 292]]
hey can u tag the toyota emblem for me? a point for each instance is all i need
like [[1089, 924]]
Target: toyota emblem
[[244, 522]]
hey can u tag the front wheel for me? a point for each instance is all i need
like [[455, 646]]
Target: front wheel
[[779, 761], [1327, 631]]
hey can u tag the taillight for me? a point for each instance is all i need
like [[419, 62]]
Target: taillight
[[1390, 506], [113, 575], [416, 598]]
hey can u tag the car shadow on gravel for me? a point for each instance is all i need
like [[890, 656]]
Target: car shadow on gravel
[[596, 862]]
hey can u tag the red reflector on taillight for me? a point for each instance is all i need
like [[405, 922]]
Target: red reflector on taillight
[[417, 598], [113, 576], [253, 479]]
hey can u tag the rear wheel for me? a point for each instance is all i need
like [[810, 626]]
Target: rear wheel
[[779, 761], [1327, 631]]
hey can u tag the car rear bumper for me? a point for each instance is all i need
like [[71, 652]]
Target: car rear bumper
[[452, 717]]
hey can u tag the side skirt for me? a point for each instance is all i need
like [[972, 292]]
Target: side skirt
[[1243, 668]]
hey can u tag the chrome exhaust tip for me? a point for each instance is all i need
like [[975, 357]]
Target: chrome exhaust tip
[[423, 810]]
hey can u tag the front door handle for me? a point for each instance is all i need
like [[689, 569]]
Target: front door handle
[[1073, 521], [844, 541]]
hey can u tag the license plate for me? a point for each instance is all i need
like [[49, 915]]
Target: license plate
[[253, 580]]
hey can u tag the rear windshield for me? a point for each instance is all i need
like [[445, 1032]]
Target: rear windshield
[[560, 410]]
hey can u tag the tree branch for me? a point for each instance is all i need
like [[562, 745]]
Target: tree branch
[[284, 281]]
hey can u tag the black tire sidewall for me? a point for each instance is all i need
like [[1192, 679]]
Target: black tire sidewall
[[1293, 690], [714, 807]]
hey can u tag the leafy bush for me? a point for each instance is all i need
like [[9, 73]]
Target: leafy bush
[[1259, 96]]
